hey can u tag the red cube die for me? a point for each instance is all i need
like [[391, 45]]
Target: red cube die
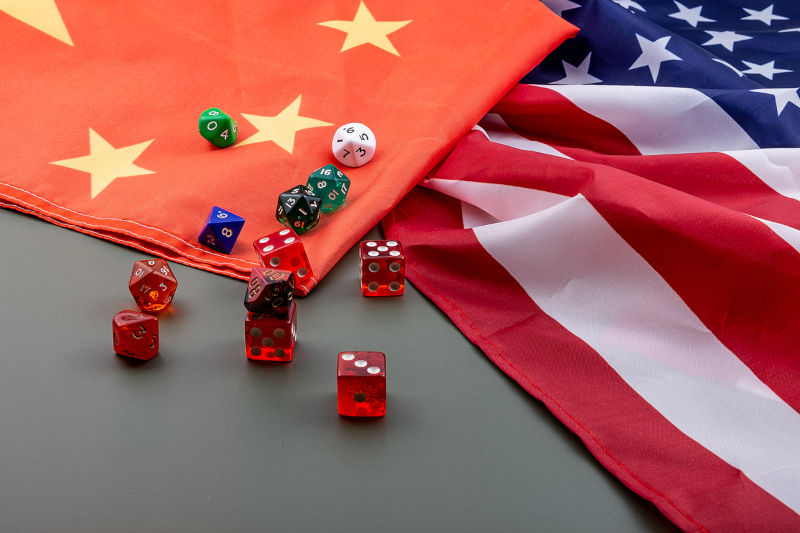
[[361, 384], [383, 268], [271, 338], [152, 285], [135, 334], [284, 249]]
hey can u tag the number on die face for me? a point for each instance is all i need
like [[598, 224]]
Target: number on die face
[[353, 144], [284, 250], [221, 230], [330, 184], [361, 384], [217, 128], [152, 285], [135, 334], [270, 338], [382, 268], [269, 291], [298, 208]]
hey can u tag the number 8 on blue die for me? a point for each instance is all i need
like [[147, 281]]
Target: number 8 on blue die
[[221, 230]]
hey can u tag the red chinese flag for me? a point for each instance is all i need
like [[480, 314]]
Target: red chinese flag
[[102, 101]]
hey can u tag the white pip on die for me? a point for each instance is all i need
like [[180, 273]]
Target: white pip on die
[[353, 144]]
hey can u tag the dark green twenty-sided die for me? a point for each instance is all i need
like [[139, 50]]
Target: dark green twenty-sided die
[[330, 184], [298, 208], [217, 128]]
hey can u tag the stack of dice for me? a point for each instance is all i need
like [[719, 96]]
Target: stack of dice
[[270, 329], [152, 285], [271, 323]]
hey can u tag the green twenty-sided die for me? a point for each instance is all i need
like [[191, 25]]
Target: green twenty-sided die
[[217, 128], [330, 184]]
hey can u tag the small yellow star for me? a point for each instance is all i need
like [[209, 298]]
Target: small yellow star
[[106, 163], [281, 128], [364, 29], [41, 14]]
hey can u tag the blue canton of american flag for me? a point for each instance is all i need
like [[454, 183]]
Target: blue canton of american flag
[[744, 54]]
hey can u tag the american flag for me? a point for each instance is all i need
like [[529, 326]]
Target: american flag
[[620, 236]]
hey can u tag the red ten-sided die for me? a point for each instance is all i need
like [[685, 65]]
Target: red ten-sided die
[[270, 338], [361, 384], [383, 268], [284, 250], [135, 334], [152, 285]]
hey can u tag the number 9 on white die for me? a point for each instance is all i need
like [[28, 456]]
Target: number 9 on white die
[[353, 144]]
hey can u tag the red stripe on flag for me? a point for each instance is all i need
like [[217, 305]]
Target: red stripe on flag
[[714, 177], [546, 116], [628, 436], [737, 276]]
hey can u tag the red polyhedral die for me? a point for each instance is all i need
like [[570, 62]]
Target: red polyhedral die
[[383, 268], [361, 384], [284, 249], [152, 285], [271, 338], [135, 334]]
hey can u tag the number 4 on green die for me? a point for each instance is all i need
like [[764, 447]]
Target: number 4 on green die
[[330, 184], [217, 128]]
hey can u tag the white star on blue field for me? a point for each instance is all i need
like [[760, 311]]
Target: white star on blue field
[[745, 54]]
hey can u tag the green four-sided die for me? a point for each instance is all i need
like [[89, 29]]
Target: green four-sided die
[[217, 128], [330, 184]]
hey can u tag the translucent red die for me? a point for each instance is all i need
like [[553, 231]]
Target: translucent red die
[[135, 334], [361, 384], [271, 338], [383, 268], [152, 285], [284, 250], [269, 291]]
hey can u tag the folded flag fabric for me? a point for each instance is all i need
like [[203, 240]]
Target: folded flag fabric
[[620, 235], [102, 102]]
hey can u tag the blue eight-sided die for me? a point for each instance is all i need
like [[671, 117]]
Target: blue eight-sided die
[[221, 230]]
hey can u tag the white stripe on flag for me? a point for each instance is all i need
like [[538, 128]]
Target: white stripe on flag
[[500, 201], [779, 168], [496, 130], [661, 120], [585, 276], [789, 234]]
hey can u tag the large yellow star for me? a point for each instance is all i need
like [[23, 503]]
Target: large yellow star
[[364, 29], [41, 14], [106, 163], [281, 128]]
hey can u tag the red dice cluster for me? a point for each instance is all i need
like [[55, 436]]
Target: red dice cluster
[[152, 285], [271, 320], [271, 323]]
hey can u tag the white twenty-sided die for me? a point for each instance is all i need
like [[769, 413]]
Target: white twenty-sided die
[[353, 144]]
